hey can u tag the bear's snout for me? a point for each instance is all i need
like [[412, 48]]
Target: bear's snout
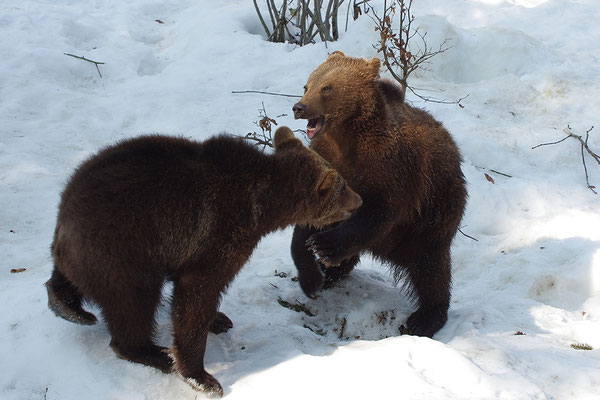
[[353, 201], [299, 110]]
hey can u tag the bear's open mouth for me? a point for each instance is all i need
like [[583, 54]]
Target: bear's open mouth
[[314, 126]]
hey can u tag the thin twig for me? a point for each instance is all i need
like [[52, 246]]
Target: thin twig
[[585, 144], [587, 180], [298, 307], [549, 143], [341, 335], [267, 93], [259, 142], [470, 237], [500, 173], [433, 100], [494, 171], [88, 60], [319, 332]]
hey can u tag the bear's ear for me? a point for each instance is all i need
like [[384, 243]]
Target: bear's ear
[[374, 65], [327, 181], [336, 54], [284, 136]]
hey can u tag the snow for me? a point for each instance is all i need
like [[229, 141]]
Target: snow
[[529, 67]]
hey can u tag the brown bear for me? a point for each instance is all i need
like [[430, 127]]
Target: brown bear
[[406, 168], [158, 208]]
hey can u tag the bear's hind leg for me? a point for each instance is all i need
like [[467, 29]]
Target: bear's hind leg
[[194, 310], [129, 315], [428, 270], [65, 300]]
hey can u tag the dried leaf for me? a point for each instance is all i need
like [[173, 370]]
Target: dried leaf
[[581, 346], [265, 123], [489, 178], [17, 270]]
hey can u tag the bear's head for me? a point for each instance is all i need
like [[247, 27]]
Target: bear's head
[[323, 195], [340, 89]]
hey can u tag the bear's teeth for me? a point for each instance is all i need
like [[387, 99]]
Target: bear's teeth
[[313, 127]]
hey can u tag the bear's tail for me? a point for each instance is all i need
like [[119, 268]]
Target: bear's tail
[[65, 300]]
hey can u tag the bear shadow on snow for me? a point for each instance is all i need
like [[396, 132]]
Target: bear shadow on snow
[[303, 335], [570, 288], [159, 208]]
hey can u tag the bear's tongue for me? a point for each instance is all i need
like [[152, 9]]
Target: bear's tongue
[[313, 127]]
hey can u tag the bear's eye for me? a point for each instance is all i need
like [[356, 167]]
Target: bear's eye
[[305, 88], [326, 89]]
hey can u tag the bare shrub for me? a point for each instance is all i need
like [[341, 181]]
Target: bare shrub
[[401, 56], [299, 21]]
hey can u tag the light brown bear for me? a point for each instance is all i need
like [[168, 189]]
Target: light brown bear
[[406, 168], [159, 208]]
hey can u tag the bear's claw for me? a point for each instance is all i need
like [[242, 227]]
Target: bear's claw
[[324, 249]]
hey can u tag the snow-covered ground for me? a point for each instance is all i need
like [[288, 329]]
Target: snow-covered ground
[[523, 294]]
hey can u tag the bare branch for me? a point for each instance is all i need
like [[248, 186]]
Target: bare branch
[[500, 173], [274, 21], [550, 143], [493, 171], [267, 93], [434, 100], [302, 23], [262, 21], [341, 334], [265, 123], [96, 63], [587, 179], [470, 237], [264, 142], [584, 146], [395, 45]]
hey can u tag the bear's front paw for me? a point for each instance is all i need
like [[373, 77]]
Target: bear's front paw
[[221, 324], [325, 247]]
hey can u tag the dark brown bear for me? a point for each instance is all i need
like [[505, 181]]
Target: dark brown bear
[[406, 168], [156, 208]]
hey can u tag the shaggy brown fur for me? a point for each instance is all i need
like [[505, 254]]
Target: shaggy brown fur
[[156, 208], [405, 166]]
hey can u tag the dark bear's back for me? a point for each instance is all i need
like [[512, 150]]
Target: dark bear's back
[[154, 200]]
